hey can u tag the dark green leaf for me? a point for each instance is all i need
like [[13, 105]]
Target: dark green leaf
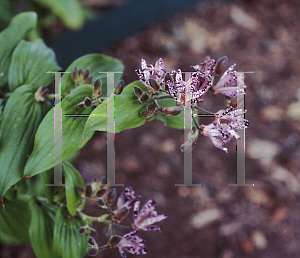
[[10, 37], [69, 11], [68, 243], [15, 219], [171, 121], [73, 179], [41, 228], [127, 111], [29, 64], [47, 177], [21, 118], [95, 63], [42, 156]]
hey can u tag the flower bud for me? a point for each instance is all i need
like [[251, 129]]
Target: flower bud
[[138, 92], [92, 232], [75, 74], [114, 241], [81, 105], [153, 83], [111, 196], [144, 114], [87, 102], [86, 74], [120, 215], [100, 202], [92, 251], [171, 111], [97, 87], [41, 93], [120, 86], [80, 73], [222, 61], [151, 109], [88, 80], [88, 191], [100, 192], [92, 241], [80, 190], [144, 98], [82, 230]]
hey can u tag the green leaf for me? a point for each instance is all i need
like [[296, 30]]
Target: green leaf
[[41, 228], [42, 156], [15, 219], [171, 121], [95, 63], [68, 243], [127, 111], [73, 179], [21, 118], [69, 11], [29, 64], [47, 177], [5, 13], [10, 37]]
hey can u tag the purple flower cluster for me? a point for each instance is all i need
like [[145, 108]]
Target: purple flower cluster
[[144, 219]]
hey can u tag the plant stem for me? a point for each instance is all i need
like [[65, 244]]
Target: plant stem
[[203, 110], [196, 123], [50, 96], [101, 218]]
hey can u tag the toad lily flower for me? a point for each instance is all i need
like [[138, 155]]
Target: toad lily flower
[[131, 243], [124, 204], [156, 73], [198, 84], [225, 126], [227, 85], [147, 217], [212, 132]]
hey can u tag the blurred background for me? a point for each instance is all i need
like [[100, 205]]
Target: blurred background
[[214, 220]]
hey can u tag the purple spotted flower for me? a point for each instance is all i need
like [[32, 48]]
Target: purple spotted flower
[[147, 217], [225, 126], [124, 204], [198, 84], [148, 72], [131, 243], [227, 85]]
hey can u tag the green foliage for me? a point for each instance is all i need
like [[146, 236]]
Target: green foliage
[[123, 120], [67, 241], [69, 11], [21, 118], [29, 64], [41, 228], [49, 217], [15, 220], [95, 63], [19, 26], [73, 179], [42, 156]]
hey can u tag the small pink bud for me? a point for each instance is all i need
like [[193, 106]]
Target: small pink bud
[[138, 92], [114, 241], [222, 61], [171, 111], [153, 83], [111, 196], [120, 86]]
